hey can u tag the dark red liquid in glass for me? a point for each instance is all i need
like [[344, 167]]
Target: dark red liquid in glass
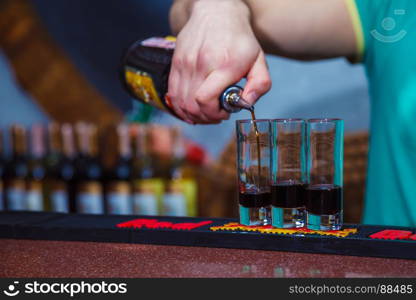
[[288, 195], [323, 199], [254, 200]]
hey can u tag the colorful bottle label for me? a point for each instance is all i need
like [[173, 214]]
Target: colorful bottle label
[[143, 87], [147, 195], [90, 198], [15, 195], [119, 199]]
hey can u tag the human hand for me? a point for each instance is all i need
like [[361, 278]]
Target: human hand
[[215, 49]]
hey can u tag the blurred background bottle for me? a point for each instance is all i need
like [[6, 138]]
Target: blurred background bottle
[[16, 170], [117, 185], [146, 180], [180, 194], [35, 200], [89, 198], [64, 196]]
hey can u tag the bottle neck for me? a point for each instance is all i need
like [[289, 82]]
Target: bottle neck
[[178, 145], [87, 139], [68, 145], [54, 141], [124, 147], [142, 144], [19, 143], [37, 139]]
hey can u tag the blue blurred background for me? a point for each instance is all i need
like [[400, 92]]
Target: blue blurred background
[[94, 34]]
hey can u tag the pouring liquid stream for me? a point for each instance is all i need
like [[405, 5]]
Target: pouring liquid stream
[[256, 131]]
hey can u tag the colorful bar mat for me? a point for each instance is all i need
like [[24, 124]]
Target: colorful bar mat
[[356, 240]]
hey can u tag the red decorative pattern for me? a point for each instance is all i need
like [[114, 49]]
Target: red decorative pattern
[[156, 224], [390, 234]]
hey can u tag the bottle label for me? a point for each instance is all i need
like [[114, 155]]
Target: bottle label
[[145, 204], [143, 87], [34, 198], [174, 204], [168, 42], [147, 195], [180, 198], [119, 200], [60, 201], [90, 198], [15, 194]]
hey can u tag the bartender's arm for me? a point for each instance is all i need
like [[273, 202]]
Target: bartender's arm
[[219, 43]]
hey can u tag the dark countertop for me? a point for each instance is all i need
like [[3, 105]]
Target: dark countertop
[[27, 258]]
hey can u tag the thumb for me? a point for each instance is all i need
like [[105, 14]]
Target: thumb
[[258, 80]]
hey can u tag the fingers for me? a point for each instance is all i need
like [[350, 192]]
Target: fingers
[[173, 92], [208, 93], [258, 80]]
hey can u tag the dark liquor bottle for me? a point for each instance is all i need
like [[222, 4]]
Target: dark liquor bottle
[[145, 73], [118, 194], [2, 165], [89, 198], [55, 187], [64, 199], [37, 171], [16, 170], [147, 184], [180, 189]]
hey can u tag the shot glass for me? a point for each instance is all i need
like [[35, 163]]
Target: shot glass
[[288, 172], [324, 197], [253, 163]]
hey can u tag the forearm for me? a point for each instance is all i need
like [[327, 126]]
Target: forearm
[[179, 14], [303, 29], [181, 11]]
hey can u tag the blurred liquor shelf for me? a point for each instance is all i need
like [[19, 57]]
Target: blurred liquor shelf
[[80, 168]]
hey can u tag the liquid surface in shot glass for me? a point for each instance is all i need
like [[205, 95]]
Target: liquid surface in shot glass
[[323, 199]]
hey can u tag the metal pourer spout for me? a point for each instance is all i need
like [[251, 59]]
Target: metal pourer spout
[[231, 100]]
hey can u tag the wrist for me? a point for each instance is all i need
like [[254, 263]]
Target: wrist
[[238, 7]]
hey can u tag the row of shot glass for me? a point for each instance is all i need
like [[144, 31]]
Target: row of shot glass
[[290, 173]]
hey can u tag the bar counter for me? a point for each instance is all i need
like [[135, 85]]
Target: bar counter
[[55, 255]]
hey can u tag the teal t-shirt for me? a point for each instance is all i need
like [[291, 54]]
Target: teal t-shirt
[[386, 38]]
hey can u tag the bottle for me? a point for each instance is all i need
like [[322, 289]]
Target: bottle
[[118, 194], [65, 199], [55, 186], [145, 73], [16, 170], [146, 180], [37, 171], [89, 198], [180, 195], [2, 165]]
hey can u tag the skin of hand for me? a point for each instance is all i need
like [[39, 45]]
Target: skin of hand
[[215, 49]]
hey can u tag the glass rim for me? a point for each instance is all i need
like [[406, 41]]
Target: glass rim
[[324, 120], [246, 121], [288, 120]]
